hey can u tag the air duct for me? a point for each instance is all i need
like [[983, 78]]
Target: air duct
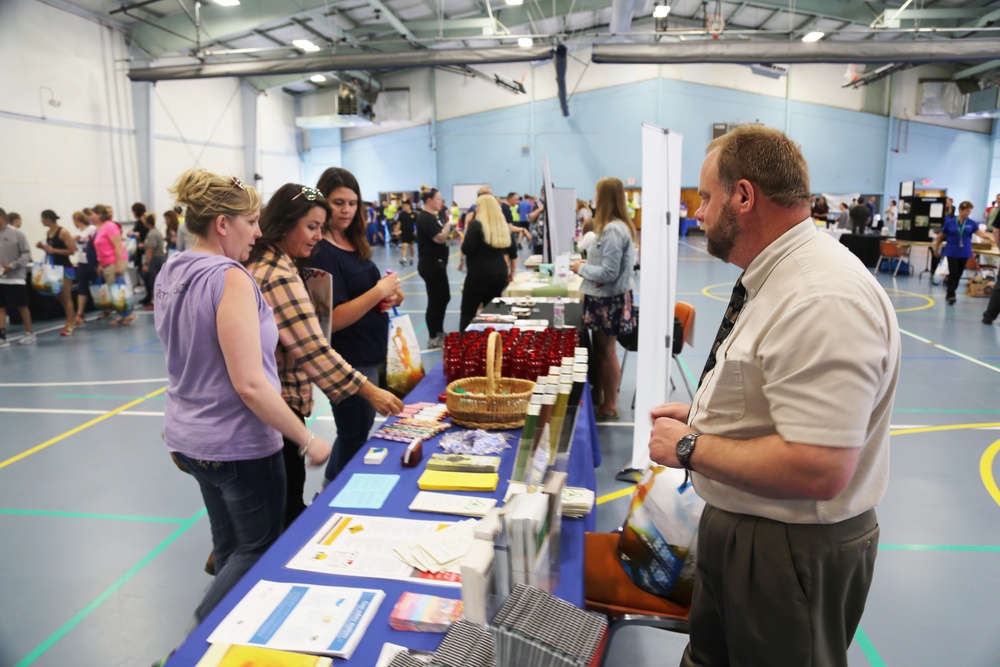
[[748, 53], [332, 63]]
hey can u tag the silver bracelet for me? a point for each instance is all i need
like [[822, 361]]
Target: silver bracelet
[[302, 450]]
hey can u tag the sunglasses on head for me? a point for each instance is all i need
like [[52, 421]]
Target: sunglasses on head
[[312, 194]]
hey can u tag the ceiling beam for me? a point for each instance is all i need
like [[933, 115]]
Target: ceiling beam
[[976, 70], [393, 20]]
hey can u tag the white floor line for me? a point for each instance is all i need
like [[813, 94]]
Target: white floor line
[[81, 384], [629, 424], [950, 351], [55, 411]]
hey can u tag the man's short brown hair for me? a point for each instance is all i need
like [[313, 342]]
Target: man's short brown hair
[[766, 158]]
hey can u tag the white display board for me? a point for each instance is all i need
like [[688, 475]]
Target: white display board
[[562, 220], [661, 199], [465, 194]]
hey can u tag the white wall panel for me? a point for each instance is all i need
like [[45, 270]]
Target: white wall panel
[[199, 111], [75, 154], [276, 122]]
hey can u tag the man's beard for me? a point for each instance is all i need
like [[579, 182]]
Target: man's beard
[[722, 236]]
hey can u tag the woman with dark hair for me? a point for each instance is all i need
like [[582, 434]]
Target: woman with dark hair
[[291, 226], [607, 288], [60, 246], [432, 264], [224, 417], [172, 224], [361, 298], [958, 232]]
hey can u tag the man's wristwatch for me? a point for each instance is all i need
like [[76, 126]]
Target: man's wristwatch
[[685, 448]]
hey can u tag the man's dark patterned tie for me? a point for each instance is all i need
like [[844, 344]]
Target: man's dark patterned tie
[[728, 322]]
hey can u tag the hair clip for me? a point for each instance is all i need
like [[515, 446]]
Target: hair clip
[[238, 183]]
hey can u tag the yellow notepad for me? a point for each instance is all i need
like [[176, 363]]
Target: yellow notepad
[[441, 480], [234, 655]]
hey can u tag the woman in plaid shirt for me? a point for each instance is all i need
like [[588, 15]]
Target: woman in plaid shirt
[[291, 226]]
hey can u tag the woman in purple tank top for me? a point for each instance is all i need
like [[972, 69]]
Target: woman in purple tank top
[[224, 417]]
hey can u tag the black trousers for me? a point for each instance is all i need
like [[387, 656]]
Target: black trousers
[[295, 478], [956, 267], [435, 275], [993, 308], [479, 290]]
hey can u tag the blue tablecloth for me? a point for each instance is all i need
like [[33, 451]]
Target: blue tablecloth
[[584, 458]]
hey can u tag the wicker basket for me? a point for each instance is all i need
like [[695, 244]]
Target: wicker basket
[[490, 402]]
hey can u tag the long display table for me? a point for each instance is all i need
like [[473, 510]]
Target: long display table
[[584, 458]]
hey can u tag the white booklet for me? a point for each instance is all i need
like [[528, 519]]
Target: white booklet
[[324, 620], [452, 503]]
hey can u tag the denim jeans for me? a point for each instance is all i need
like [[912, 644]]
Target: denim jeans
[[354, 417], [246, 508]]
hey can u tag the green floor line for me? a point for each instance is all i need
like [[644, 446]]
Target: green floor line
[[868, 648], [422, 326], [687, 371], [108, 592], [122, 397], [87, 515], [317, 414], [939, 547]]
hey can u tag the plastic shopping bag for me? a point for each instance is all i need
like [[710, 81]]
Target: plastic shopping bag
[[658, 544], [403, 366], [121, 295], [46, 277], [100, 292]]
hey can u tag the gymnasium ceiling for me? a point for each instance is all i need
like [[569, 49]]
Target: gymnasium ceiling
[[359, 40]]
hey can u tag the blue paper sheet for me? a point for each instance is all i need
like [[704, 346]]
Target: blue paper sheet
[[365, 491]]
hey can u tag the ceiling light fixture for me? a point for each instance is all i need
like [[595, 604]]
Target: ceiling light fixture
[[305, 45], [525, 42], [317, 78], [661, 11], [813, 36], [515, 3], [227, 3]]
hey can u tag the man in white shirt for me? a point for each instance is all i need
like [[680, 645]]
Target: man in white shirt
[[15, 256], [788, 538]]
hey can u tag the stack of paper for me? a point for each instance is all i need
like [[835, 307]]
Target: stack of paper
[[463, 463], [527, 525], [478, 587], [450, 503], [576, 501], [439, 551], [439, 480], [536, 629]]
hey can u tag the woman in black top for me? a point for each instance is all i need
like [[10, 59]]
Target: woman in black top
[[432, 265], [821, 211], [488, 248], [407, 234], [60, 245]]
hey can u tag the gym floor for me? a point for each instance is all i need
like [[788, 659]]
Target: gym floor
[[104, 540]]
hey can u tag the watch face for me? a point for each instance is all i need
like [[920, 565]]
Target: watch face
[[684, 448]]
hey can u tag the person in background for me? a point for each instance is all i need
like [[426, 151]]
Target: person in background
[[154, 256], [789, 535], [583, 214], [360, 318], [491, 253], [861, 217], [172, 224], [290, 228], [993, 213], [957, 232], [407, 232], [821, 211], [993, 307], [455, 214], [139, 234], [15, 219], [86, 261], [536, 223], [432, 242], [872, 208], [524, 208], [15, 256], [60, 246], [607, 289], [111, 257], [891, 214], [185, 239], [224, 417]]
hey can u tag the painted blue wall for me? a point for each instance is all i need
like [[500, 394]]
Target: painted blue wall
[[847, 151]]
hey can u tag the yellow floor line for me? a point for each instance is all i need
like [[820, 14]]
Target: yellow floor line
[[615, 495], [82, 427], [986, 470]]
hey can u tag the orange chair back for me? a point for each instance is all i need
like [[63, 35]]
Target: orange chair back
[[684, 312], [889, 249]]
